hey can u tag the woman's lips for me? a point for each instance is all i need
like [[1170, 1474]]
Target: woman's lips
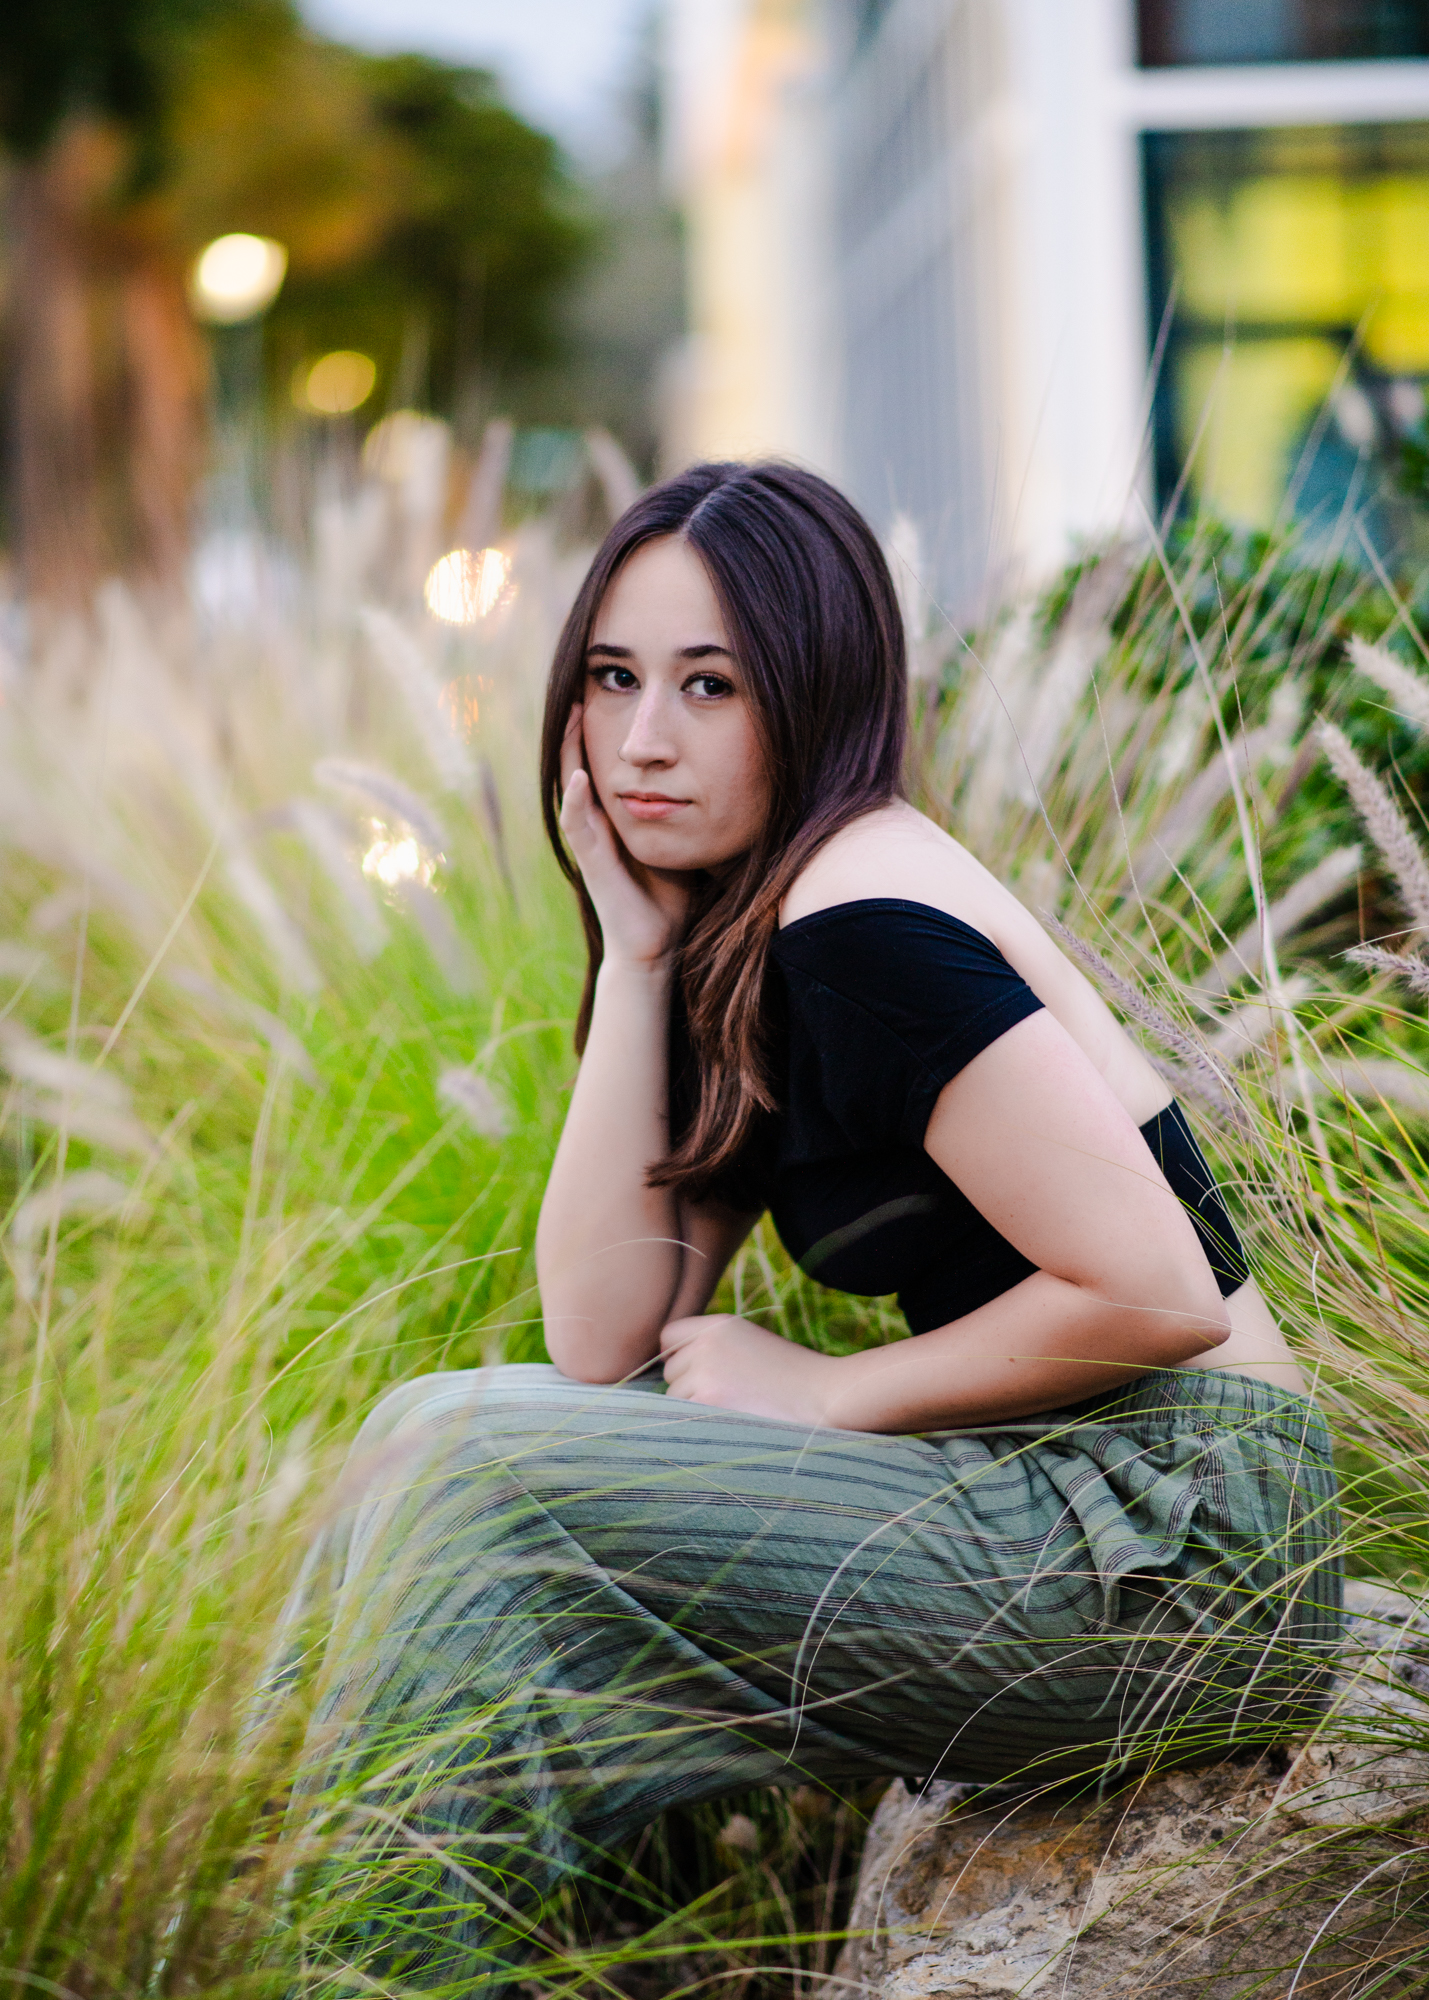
[[651, 805]]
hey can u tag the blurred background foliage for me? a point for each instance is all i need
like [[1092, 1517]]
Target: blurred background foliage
[[427, 225], [459, 280]]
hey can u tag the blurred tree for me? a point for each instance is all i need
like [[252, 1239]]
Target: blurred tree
[[98, 326], [272, 130], [463, 284], [407, 195], [623, 324]]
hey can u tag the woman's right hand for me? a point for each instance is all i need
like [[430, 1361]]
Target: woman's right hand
[[640, 910]]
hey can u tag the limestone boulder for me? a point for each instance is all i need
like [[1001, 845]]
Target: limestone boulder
[[1305, 1871]]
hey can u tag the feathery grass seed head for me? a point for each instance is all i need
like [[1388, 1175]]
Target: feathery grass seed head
[[1384, 822]]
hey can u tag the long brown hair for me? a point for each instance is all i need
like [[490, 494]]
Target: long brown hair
[[815, 627]]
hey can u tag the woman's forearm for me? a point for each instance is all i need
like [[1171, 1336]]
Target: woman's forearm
[[607, 1256], [1041, 1345], [1045, 1343]]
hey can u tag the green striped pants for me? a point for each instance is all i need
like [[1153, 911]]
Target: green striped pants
[[543, 1612]]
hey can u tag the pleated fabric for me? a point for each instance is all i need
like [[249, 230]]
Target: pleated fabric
[[545, 1612]]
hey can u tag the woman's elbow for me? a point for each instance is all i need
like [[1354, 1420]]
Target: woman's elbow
[[582, 1346], [1166, 1305], [573, 1345], [1193, 1316], [592, 1370]]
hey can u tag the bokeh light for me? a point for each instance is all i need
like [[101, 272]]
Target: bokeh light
[[462, 587], [237, 277], [395, 857], [334, 384], [461, 706], [399, 445]]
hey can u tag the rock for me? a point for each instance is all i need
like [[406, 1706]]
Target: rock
[[1301, 1872]]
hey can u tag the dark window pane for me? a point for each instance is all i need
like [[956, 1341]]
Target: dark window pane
[[1173, 32], [1289, 269]]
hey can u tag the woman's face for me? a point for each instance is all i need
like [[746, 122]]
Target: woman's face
[[669, 730]]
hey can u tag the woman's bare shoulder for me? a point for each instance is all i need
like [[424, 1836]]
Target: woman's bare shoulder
[[897, 852]]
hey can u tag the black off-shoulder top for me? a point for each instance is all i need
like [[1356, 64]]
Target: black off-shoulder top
[[877, 1004]]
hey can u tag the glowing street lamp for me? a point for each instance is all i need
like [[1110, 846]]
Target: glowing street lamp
[[236, 278]]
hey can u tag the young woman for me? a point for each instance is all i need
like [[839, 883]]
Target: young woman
[[1082, 1519]]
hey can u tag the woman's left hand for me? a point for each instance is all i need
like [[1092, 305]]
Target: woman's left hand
[[729, 1362]]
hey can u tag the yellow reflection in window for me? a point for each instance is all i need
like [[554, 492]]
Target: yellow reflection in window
[[1309, 247], [1257, 402], [1303, 245]]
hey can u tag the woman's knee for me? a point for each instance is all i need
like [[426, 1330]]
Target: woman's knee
[[475, 1416], [433, 1402]]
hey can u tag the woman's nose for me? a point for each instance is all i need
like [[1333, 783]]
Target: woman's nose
[[648, 740]]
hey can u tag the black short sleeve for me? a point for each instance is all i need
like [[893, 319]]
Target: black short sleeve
[[892, 999], [1173, 1146]]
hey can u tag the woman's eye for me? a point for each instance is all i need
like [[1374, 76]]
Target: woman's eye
[[616, 678], [709, 687]]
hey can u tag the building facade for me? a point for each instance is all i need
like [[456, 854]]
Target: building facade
[[1033, 270]]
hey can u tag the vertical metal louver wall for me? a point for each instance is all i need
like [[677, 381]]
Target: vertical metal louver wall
[[914, 409]]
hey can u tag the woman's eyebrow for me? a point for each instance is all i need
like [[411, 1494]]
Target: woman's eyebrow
[[707, 650]]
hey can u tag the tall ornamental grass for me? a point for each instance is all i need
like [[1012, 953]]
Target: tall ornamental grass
[[286, 989]]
